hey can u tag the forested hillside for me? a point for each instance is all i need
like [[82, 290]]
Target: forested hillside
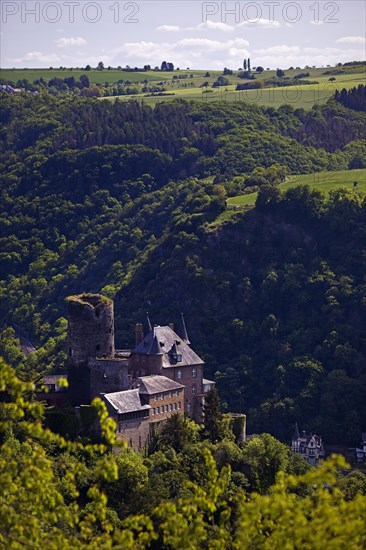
[[123, 199]]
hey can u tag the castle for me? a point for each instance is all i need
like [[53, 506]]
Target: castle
[[141, 387]]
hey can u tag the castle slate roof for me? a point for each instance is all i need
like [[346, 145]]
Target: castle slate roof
[[147, 325], [125, 401], [25, 345], [182, 330], [149, 385], [164, 341], [296, 432]]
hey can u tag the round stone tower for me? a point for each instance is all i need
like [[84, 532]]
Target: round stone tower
[[90, 328], [90, 335]]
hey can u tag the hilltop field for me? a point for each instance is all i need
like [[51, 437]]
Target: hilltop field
[[323, 181], [152, 87]]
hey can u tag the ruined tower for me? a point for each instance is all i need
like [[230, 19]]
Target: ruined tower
[[90, 329], [90, 336]]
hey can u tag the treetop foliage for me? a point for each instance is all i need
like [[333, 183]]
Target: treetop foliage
[[52, 493]]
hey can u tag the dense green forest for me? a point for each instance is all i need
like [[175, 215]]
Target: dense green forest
[[123, 199]]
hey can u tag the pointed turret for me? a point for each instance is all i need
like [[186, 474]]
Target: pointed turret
[[156, 346], [296, 432], [182, 331], [147, 325]]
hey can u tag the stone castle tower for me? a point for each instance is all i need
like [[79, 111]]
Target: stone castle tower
[[90, 328], [93, 367]]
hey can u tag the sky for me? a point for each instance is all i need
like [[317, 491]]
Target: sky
[[189, 33]]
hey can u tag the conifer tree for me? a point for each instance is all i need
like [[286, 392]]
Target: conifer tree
[[213, 420]]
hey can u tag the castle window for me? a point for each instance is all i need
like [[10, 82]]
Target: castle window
[[158, 410], [153, 411], [171, 406], [188, 407], [175, 406], [155, 397], [176, 392], [161, 396], [194, 389], [194, 373], [166, 408], [179, 405], [170, 394], [179, 374]]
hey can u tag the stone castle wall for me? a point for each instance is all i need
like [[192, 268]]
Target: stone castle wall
[[136, 433], [108, 376]]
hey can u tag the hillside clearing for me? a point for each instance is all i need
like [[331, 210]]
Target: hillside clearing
[[323, 181]]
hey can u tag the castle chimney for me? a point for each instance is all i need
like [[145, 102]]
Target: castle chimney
[[171, 325], [139, 335]]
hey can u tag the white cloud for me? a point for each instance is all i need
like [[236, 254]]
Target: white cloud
[[201, 52], [317, 51], [65, 42], [188, 52], [209, 25], [351, 40], [279, 50], [222, 27], [215, 26], [215, 45], [264, 23], [286, 56], [36, 56], [169, 28]]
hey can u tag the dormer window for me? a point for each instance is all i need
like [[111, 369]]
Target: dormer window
[[194, 373], [177, 357]]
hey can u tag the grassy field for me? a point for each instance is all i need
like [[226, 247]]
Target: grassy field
[[95, 77], [324, 181], [189, 88], [304, 96]]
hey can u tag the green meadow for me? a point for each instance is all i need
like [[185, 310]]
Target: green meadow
[[323, 181], [304, 96], [96, 77], [187, 84]]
